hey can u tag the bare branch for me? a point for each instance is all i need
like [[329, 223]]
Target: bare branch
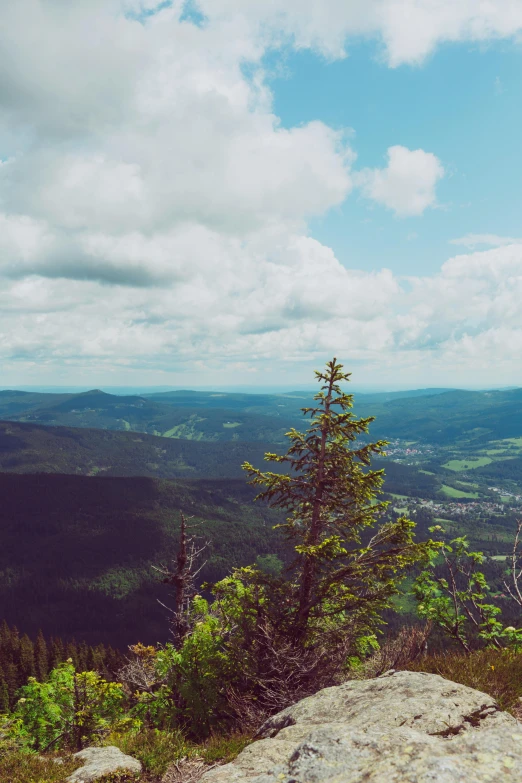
[[182, 577], [516, 573]]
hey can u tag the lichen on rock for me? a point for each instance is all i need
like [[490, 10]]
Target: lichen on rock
[[101, 762], [409, 727]]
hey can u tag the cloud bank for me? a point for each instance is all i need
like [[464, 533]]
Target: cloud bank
[[153, 209]]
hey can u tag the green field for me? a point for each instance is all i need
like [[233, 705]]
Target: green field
[[467, 464], [428, 472], [451, 492], [505, 444], [230, 425]]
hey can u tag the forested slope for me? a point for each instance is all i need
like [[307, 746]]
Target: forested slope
[[33, 448], [433, 416], [76, 553]]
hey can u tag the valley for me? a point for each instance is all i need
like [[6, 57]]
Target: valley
[[91, 504]]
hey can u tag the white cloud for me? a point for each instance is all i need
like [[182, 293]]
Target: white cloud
[[153, 210], [293, 304], [408, 30], [473, 241], [407, 184]]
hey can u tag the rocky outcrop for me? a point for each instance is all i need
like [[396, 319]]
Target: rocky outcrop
[[99, 762], [404, 727]]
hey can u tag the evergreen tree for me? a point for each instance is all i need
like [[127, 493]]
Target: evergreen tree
[[20, 659], [5, 636], [26, 662], [83, 657], [11, 678], [349, 562], [57, 653], [41, 657], [4, 696], [270, 638], [71, 652]]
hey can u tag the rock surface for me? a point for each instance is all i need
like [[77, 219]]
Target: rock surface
[[407, 727], [102, 761]]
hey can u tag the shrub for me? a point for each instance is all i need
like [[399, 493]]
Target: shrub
[[69, 710], [456, 596]]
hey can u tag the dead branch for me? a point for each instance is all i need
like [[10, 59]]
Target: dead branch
[[186, 770], [182, 576], [513, 589], [410, 644]]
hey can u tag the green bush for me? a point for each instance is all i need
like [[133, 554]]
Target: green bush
[[452, 593], [188, 682], [70, 710]]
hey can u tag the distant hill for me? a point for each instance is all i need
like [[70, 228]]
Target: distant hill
[[132, 413], [449, 417], [431, 415], [34, 448], [76, 553]]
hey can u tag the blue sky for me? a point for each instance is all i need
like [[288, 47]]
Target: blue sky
[[225, 193], [464, 104]]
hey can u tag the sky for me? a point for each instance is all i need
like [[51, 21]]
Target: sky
[[231, 192]]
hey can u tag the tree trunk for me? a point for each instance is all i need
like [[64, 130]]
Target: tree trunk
[[316, 526]]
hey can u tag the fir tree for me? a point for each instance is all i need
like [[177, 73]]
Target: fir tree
[[4, 697], [56, 653], [348, 562], [26, 662], [41, 656]]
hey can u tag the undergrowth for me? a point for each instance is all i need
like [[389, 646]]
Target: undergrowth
[[17, 767], [495, 672], [157, 750]]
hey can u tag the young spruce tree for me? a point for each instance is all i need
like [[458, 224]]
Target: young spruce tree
[[269, 638], [349, 561]]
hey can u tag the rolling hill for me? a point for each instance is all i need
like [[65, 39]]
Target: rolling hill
[[99, 410], [450, 417], [433, 416]]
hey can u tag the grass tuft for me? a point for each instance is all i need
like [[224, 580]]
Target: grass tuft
[[224, 749], [18, 767], [495, 672], [158, 750], [154, 748]]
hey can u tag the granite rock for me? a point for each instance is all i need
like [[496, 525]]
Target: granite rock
[[99, 762], [405, 727]]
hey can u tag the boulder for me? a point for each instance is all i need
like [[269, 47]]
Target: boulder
[[99, 762], [405, 727]]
